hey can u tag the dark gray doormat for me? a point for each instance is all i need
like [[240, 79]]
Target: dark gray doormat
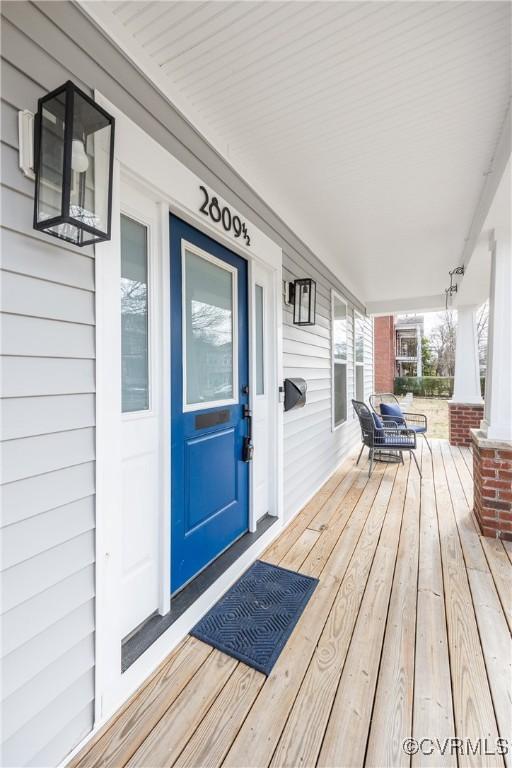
[[255, 618]]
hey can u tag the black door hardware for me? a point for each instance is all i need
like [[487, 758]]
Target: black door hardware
[[248, 449]]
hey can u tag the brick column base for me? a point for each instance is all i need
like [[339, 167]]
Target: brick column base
[[463, 418], [492, 476]]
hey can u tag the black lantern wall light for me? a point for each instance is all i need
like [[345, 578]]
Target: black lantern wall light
[[74, 155], [302, 295]]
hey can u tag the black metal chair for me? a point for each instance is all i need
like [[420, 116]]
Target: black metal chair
[[388, 437], [415, 421]]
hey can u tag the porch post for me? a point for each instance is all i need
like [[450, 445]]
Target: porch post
[[467, 367], [419, 355], [497, 424], [492, 443], [466, 407]]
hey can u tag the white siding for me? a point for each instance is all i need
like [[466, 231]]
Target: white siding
[[312, 449], [48, 419], [48, 383]]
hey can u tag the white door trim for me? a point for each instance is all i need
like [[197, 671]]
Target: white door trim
[[262, 464], [173, 188], [141, 432]]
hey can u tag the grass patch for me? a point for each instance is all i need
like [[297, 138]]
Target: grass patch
[[436, 411]]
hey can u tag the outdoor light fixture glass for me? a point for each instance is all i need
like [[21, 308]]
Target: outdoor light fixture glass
[[304, 301], [74, 152]]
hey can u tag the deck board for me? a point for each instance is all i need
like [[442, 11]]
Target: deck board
[[303, 734], [467, 455], [128, 732], [177, 726], [490, 614], [345, 738], [300, 550], [507, 545], [277, 550], [501, 569], [392, 712], [258, 738], [211, 741], [405, 635], [473, 707], [433, 705]]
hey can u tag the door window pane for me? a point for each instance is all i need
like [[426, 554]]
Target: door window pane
[[134, 316], [260, 373], [208, 331]]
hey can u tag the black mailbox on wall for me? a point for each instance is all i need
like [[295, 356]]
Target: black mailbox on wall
[[294, 393]]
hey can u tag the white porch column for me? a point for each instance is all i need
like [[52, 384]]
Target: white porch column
[[419, 356], [466, 387], [497, 423]]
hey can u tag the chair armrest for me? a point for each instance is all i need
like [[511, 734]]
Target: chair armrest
[[416, 418], [393, 424], [394, 421], [379, 433]]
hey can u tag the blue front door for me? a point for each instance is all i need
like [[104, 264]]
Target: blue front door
[[209, 386]]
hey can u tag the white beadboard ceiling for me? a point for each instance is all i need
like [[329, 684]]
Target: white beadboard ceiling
[[369, 127]]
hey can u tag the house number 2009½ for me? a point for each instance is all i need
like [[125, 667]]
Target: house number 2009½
[[211, 208]]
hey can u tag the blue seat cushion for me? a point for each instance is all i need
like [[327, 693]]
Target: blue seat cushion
[[418, 428], [393, 412], [390, 441]]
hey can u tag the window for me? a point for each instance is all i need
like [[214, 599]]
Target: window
[[260, 371], [209, 331], [359, 356], [339, 361], [406, 343], [134, 316]]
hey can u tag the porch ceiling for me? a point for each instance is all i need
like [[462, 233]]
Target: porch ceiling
[[475, 287], [368, 126]]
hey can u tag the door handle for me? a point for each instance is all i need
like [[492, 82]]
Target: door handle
[[248, 448]]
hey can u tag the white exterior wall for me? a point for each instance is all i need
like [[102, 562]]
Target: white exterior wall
[[48, 385], [312, 449], [48, 470]]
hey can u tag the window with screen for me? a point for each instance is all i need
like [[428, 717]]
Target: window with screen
[[339, 362], [359, 356]]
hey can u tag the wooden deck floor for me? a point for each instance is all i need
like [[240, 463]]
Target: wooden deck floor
[[406, 635]]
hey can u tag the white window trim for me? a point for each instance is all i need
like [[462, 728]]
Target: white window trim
[[340, 298], [357, 316], [188, 407]]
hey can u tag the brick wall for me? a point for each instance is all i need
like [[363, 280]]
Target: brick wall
[[384, 353], [463, 417], [492, 473]]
